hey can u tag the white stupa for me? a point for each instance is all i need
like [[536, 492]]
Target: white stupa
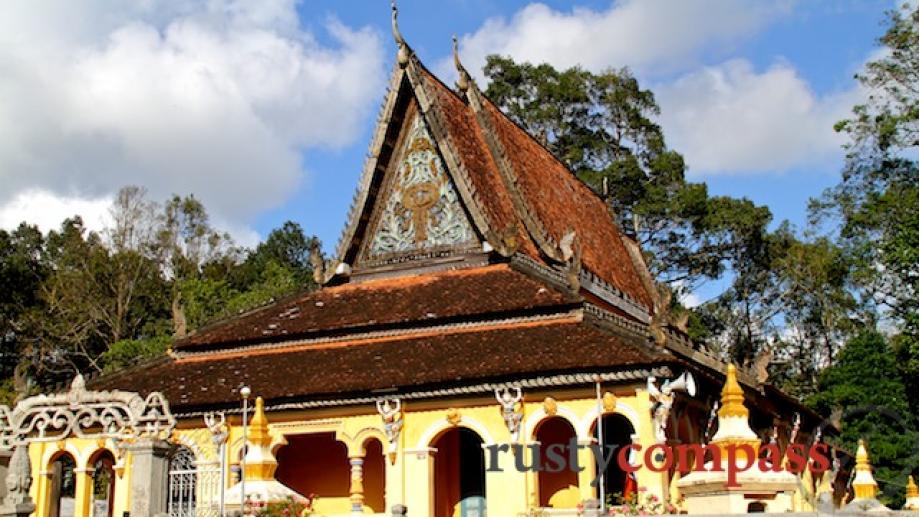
[[706, 491], [261, 486]]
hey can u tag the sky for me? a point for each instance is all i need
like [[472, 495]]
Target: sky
[[264, 110]]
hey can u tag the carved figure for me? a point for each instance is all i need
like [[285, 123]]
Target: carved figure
[[663, 401], [509, 410], [391, 412]]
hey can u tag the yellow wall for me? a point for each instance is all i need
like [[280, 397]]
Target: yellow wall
[[408, 479]]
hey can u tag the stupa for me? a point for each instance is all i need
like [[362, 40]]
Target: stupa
[[756, 490], [260, 465]]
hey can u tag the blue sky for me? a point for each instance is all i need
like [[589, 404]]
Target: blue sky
[[825, 42], [265, 110]]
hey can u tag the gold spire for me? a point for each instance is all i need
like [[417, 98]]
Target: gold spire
[[911, 489], [463, 82], [864, 484], [402, 56], [732, 396], [258, 428]]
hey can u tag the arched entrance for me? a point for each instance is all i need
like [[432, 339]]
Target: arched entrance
[[617, 432], [557, 489], [183, 483], [63, 486], [317, 463], [103, 464], [374, 470], [459, 474]]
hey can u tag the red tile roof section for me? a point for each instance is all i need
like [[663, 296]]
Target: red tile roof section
[[494, 289], [472, 149], [407, 362], [562, 203]]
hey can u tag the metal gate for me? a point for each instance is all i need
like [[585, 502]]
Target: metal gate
[[194, 489]]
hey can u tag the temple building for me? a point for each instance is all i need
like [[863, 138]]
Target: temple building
[[480, 295]]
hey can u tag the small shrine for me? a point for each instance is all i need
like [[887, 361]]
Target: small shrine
[[912, 495], [755, 490], [260, 485], [864, 485]]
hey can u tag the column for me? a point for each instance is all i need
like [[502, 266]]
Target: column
[[83, 492], [149, 476], [357, 484]]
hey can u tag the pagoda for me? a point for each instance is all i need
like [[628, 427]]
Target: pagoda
[[480, 294]]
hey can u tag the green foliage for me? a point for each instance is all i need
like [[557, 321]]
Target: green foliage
[[865, 391], [80, 301], [602, 127], [130, 352]]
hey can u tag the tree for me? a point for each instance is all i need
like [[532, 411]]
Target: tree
[[602, 127], [865, 392], [186, 242], [877, 201]]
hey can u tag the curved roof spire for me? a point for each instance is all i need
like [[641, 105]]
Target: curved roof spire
[[463, 82], [403, 54]]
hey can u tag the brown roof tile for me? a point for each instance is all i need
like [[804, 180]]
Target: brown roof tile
[[472, 148], [494, 289], [563, 203], [406, 362]]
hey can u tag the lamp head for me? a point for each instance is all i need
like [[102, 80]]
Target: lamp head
[[245, 391]]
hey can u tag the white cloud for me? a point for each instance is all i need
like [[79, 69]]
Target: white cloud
[[731, 118], [47, 210], [218, 99], [650, 36]]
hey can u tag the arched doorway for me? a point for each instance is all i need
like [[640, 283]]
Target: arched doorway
[[103, 464], [374, 476], [556, 489], [63, 486], [459, 474], [183, 483], [617, 432], [317, 463]]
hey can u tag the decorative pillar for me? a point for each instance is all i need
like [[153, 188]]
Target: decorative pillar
[[149, 476], [357, 484], [83, 492]]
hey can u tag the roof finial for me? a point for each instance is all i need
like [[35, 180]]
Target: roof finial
[[463, 82], [402, 56]]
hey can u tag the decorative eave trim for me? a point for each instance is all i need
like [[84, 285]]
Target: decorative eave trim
[[431, 113], [567, 315], [525, 213], [359, 201], [587, 281], [532, 383], [614, 296]]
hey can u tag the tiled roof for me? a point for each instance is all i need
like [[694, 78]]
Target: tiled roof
[[360, 367], [563, 203], [353, 307], [551, 193]]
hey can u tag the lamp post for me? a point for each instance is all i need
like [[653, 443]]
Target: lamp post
[[244, 392]]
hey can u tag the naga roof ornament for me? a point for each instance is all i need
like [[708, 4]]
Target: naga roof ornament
[[404, 52], [462, 83]]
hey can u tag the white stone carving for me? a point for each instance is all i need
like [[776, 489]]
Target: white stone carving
[[86, 414]]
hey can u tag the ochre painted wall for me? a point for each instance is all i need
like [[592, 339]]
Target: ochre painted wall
[[320, 463]]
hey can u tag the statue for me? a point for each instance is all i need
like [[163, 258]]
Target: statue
[[391, 412], [512, 416], [663, 401], [18, 481], [216, 424]]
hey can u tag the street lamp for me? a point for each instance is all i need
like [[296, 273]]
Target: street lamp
[[244, 392]]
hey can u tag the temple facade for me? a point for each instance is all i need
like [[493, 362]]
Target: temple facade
[[480, 296]]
